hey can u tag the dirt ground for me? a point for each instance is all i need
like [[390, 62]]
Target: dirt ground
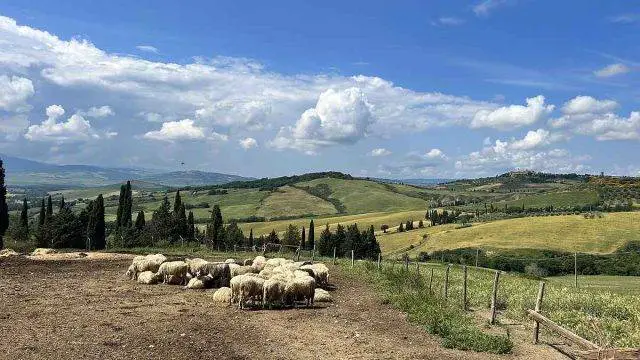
[[85, 308]]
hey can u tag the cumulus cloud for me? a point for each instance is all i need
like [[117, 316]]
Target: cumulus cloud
[[612, 70], [98, 112], [588, 104], [339, 117], [14, 92], [251, 115], [416, 163], [248, 143], [147, 48], [177, 130], [513, 116], [585, 115], [379, 152], [435, 154], [74, 129]]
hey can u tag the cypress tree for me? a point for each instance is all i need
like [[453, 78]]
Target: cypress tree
[[338, 239], [181, 226], [177, 202], [62, 204], [49, 214], [140, 221], [123, 192], [24, 219], [352, 241], [91, 225], [250, 241], [311, 242], [41, 234], [302, 239], [4, 209], [128, 206], [373, 247], [99, 233], [191, 226], [217, 227]]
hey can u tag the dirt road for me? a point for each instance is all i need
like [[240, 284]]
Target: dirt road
[[72, 309]]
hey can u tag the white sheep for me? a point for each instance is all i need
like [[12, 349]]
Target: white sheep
[[321, 295], [147, 278], [273, 291], [178, 269], [222, 295], [241, 270], [250, 289], [196, 283], [320, 272], [259, 262], [275, 261], [230, 261], [145, 263], [197, 266], [300, 289]]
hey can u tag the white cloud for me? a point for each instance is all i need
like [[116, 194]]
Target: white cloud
[[13, 126], [532, 140], [588, 104], [251, 114], [339, 117], [75, 129], [98, 112], [585, 115], [513, 116], [435, 154], [612, 70], [625, 18], [147, 48], [380, 152], [448, 21], [248, 143], [484, 7], [177, 130], [14, 92]]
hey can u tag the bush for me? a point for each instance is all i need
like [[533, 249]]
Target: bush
[[534, 270]]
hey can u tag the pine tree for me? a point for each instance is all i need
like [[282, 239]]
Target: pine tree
[[352, 241], [140, 221], [4, 209], [311, 240], [62, 204], [234, 235], [291, 236], [338, 239], [302, 239], [250, 241], [273, 238], [373, 247], [24, 220], [325, 243]]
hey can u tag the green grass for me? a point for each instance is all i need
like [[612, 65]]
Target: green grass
[[564, 199], [625, 285], [410, 293], [289, 201], [362, 196], [564, 233]]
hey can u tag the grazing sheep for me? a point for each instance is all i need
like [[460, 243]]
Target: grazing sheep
[[300, 289], [322, 296], [320, 273], [275, 262], [178, 269], [232, 266], [197, 266], [222, 295], [147, 278], [145, 263], [234, 284], [265, 274], [259, 262], [250, 289], [220, 274], [196, 283], [273, 291], [241, 270]]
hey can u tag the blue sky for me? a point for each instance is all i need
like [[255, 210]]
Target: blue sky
[[374, 88]]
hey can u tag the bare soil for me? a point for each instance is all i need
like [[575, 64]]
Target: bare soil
[[86, 308]]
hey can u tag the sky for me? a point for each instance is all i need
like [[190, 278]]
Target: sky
[[404, 89]]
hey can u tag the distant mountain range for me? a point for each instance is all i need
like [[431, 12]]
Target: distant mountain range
[[22, 172]]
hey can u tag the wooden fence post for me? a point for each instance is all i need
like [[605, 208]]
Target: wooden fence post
[[494, 297], [353, 261], [446, 282], [418, 267], [406, 264], [464, 288], [575, 267], [299, 251], [536, 324], [334, 255], [430, 280], [379, 260], [477, 256]]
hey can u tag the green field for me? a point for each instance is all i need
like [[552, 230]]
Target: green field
[[626, 285], [562, 199], [287, 201]]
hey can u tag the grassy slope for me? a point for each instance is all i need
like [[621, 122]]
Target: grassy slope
[[626, 285], [361, 196], [363, 221], [556, 199], [291, 201], [570, 233]]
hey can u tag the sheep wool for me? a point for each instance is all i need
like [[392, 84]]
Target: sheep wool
[[273, 291], [196, 283], [222, 295], [178, 269], [322, 296], [147, 278]]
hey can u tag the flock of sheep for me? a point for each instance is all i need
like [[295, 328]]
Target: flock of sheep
[[277, 281]]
